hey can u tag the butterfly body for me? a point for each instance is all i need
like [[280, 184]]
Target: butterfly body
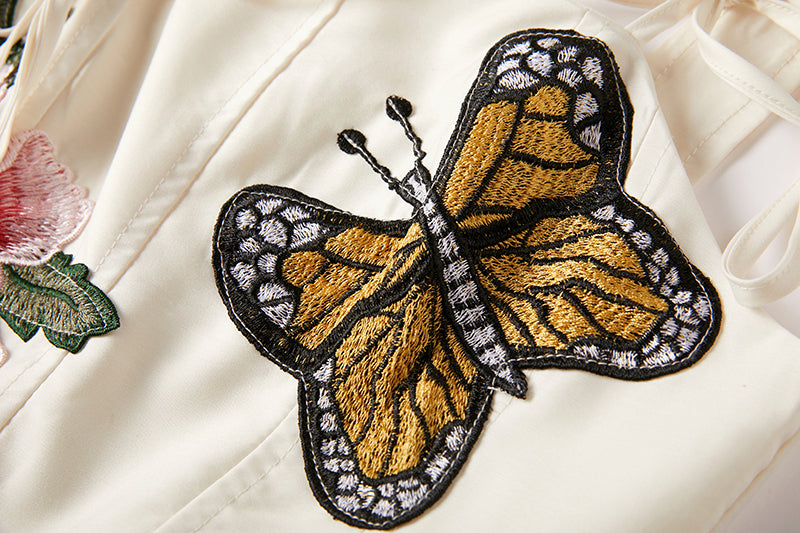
[[523, 252]]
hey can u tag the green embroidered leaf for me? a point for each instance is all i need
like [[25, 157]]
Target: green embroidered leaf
[[56, 297]]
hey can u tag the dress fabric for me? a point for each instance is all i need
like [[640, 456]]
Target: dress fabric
[[173, 422]]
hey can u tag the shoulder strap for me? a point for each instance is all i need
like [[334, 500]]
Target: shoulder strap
[[753, 239]]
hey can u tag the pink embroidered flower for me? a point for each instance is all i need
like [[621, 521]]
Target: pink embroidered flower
[[40, 209]]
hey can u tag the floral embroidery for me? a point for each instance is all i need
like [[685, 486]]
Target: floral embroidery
[[56, 297], [41, 210]]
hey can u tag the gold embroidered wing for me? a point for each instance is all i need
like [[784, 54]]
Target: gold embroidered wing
[[577, 273], [390, 403]]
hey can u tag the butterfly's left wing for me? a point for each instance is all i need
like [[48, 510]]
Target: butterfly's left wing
[[579, 274], [390, 403]]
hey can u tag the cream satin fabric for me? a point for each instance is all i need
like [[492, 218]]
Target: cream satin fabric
[[173, 422]]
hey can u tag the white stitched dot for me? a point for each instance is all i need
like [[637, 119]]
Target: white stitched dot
[[448, 247], [683, 297], [271, 291], [625, 223], [484, 336], [517, 79], [604, 213], [464, 294], [593, 70], [328, 446], [663, 356], [591, 136], [294, 212], [366, 493], [245, 219], [386, 490], [508, 64], [274, 232], [652, 345], [267, 263], [384, 508], [328, 425], [540, 63], [410, 498], [588, 352], [519, 48], [331, 464], [437, 467], [304, 233], [348, 503], [673, 277], [686, 339], [244, 274], [495, 356], [669, 328], [267, 206], [653, 272], [409, 483], [324, 401], [324, 372], [437, 225], [249, 246], [624, 359], [455, 438], [279, 314], [470, 316], [347, 482], [585, 106], [661, 258], [457, 270], [641, 239], [548, 42], [570, 76], [702, 307], [567, 54], [344, 448]]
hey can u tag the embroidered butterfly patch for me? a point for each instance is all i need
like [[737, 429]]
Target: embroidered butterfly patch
[[523, 252]]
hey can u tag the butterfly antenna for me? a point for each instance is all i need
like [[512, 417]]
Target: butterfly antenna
[[399, 109], [354, 142]]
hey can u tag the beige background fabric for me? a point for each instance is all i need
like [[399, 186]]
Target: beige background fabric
[[174, 422]]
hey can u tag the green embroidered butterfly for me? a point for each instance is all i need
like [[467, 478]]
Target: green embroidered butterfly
[[523, 252]]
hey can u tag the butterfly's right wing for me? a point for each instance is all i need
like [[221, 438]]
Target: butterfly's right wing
[[390, 403], [578, 273]]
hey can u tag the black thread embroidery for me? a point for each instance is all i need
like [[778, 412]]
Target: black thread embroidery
[[523, 252]]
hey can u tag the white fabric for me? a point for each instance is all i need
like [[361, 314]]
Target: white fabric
[[723, 125], [174, 423], [751, 241]]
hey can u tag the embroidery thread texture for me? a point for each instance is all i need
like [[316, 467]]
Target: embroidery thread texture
[[523, 252], [41, 210], [56, 297]]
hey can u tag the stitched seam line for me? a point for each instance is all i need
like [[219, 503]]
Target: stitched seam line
[[778, 276], [736, 112], [56, 57], [755, 89], [674, 60], [200, 132], [257, 480], [2, 392], [250, 486], [655, 169]]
